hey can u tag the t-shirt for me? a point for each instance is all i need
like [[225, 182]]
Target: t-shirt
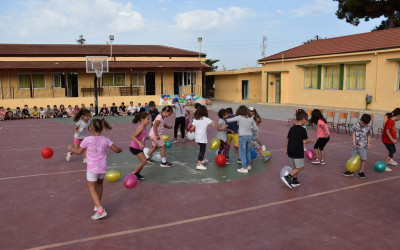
[[295, 146], [49, 111], [114, 109], [320, 131], [25, 112], [179, 112], [131, 109], [69, 111], [42, 112], [147, 108], [246, 124], [200, 134], [389, 124], [221, 134], [154, 113], [2, 112], [361, 134], [159, 128], [35, 112], [18, 113], [255, 134], [104, 110], [141, 138], [122, 108], [96, 155], [82, 130], [232, 125]]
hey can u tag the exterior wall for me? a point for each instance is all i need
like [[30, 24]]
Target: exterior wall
[[227, 87], [254, 79]]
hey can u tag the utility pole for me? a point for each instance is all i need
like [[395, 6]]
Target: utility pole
[[263, 46]]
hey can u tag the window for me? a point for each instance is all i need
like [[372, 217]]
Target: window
[[37, 80], [356, 76], [57, 80], [113, 79], [138, 79], [190, 78], [311, 77], [332, 77]]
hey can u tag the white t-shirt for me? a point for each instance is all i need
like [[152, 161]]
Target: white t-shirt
[[200, 133], [82, 129], [131, 109]]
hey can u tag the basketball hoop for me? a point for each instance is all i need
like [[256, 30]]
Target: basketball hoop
[[97, 64]]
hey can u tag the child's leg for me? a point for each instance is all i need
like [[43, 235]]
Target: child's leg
[[362, 166], [392, 149], [322, 155], [141, 164], [99, 188], [93, 193], [163, 151], [176, 128], [296, 171], [248, 154], [202, 152], [228, 143], [154, 148], [242, 146], [182, 121]]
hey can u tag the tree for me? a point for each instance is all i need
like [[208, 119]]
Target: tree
[[210, 63], [354, 10], [209, 86], [81, 40], [317, 37]]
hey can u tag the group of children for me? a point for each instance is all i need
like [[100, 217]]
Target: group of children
[[361, 137], [122, 110]]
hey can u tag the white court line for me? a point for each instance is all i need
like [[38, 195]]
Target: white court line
[[34, 175], [207, 217]]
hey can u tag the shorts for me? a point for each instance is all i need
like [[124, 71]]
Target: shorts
[[254, 144], [94, 177], [135, 151], [321, 143], [297, 162], [234, 137], [391, 148], [77, 141], [361, 151], [159, 142]]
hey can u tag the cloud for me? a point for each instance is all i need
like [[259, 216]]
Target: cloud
[[280, 12], [209, 19], [314, 8]]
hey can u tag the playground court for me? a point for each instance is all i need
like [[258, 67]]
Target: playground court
[[46, 203]]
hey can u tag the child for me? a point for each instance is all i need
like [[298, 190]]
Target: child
[[42, 113], [25, 112], [255, 141], [18, 113], [131, 109], [49, 112], [139, 107], [92, 110], [81, 127], [147, 107], [200, 124], [114, 110], [296, 139], [76, 110], [389, 138], [179, 120], [231, 134], [155, 134], [323, 135], [96, 146], [104, 110], [254, 113], [153, 111], [2, 114], [9, 114], [138, 139], [187, 118], [122, 109], [70, 111], [221, 133], [246, 124], [56, 112], [361, 142], [63, 112]]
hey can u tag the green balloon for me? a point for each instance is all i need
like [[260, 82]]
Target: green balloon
[[380, 166], [168, 144]]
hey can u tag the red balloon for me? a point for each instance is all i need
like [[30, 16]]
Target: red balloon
[[220, 160], [130, 181], [47, 152], [310, 154], [190, 128]]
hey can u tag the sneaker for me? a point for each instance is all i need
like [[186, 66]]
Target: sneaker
[[99, 214], [175, 140], [243, 170], [322, 162], [387, 169], [204, 161], [68, 158], [140, 177], [392, 162], [287, 181], [267, 157], [84, 160], [295, 183], [183, 140], [150, 161], [165, 165], [315, 161], [95, 208], [201, 167], [239, 160], [361, 175], [348, 173], [227, 162]]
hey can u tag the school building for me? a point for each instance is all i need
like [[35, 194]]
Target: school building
[[41, 74], [335, 72]]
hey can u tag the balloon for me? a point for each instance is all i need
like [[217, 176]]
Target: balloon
[[190, 136], [353, 163], [267, 153], [112, 175], [215, 143], [145, 151], [130, 181], [168, 144], [220, 160], [190, 128], [165, 137], [156, 156], [285, 171], [309, 154], [253, 153], [380, 166], [47, 152]]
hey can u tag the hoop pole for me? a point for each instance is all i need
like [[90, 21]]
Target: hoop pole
[[96, 105]]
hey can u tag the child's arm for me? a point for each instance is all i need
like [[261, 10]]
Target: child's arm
[[220, 128], [78, 151], [155, 126], [137, 133], [369, 140], [212, 123], [76, 129], [354, 140], [287, 142], [115, 149], [306, 141], [387, 131], [323, 128]]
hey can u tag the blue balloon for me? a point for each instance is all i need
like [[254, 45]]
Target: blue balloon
[[253, 154]]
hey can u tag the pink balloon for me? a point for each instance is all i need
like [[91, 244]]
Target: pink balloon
[[130, 181], [309, 154]]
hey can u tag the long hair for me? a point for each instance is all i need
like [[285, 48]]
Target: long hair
[[201, 112], [97, 125], [395, 112], [81, 113], [243, 111], [257, 118], [315, 116], [140, 116], [167, 109], [221, 113]]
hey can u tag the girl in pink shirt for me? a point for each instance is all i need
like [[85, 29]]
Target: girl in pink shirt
[[155, 134], [96, 146], [323, 135], [138, 139]]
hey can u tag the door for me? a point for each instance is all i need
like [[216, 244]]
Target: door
[[277, 89], [72, 89], [245, 90], [178, 82], [150, 83]]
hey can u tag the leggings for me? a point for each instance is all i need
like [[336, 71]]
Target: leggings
[[391, 148], [202, 151], [321, 142], [223, 148], [179, 121]]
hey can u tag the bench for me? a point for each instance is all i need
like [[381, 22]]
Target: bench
[[91, 90], [129, 90]]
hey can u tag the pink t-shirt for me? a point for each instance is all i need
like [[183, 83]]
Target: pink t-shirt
[[96, 155], [159, 128], [141, 137], [320, 131]]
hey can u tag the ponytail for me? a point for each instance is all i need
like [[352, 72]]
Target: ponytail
[[395, 112], [140, 116], [81, 113], [98, 125]]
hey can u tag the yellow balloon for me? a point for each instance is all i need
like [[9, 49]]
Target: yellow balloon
[[112, 175], [267, 153], [165, 137], [353, 163], [215, 143]]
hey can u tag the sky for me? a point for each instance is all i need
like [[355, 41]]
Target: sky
[[232, 31]]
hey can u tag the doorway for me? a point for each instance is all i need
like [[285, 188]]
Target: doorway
[[278, 88], [150, 83], [72, 89], [178, 83], [245, 89]]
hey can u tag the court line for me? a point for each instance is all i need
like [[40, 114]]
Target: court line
[[34, 175], [207, 217]]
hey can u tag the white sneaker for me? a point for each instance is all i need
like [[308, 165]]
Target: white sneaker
[[387, 169], [201, 167], [97, 216], [243, 170], [68, 158], [95, 209], [264, 148], [204, 161], [392, 162], [84, 160]]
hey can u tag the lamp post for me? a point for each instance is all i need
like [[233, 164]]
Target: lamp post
[[200, 39], [111, 40]]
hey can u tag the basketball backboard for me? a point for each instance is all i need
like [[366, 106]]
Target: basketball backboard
[[96, 64]]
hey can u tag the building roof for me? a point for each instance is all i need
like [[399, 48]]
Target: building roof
[[46, 50], [376, 40], [235, 71]]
